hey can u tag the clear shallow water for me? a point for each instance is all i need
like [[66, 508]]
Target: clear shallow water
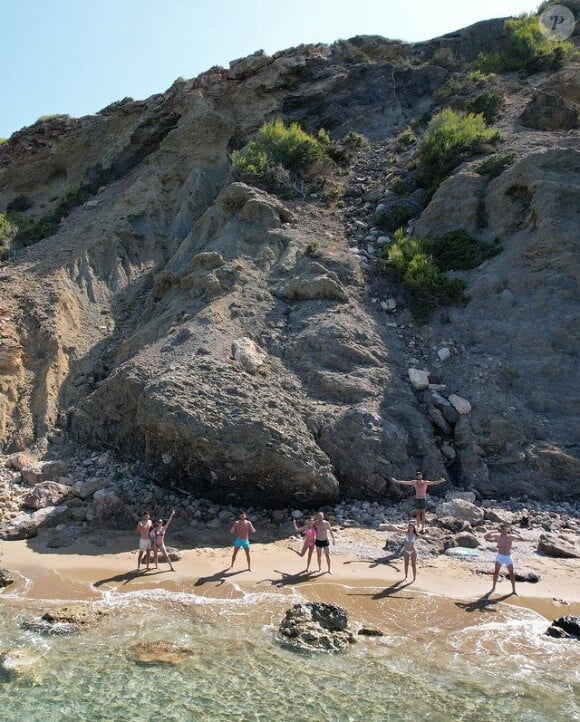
[[435, 663]]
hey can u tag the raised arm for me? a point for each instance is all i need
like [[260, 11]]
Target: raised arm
[[298, 528], [170, 518], [251, 529], [490, 536], [434, 483], [405, 483]]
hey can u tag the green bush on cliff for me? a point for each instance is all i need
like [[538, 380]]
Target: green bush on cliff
[[287, 157], [7, 233], [409, 261], [451, 138], [525, 47]]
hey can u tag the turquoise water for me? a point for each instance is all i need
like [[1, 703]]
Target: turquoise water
[[436, 662]]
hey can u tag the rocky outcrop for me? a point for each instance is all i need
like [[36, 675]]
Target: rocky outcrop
[[565, 628], [559, 545], [317, 626], [6, 578], [549, 111], [160, 653], [242, 347]]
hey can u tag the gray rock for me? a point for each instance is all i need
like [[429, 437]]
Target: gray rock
[[567, 627], [467, 540], [549, 111], [555, 545], [6, 578], [47, 493], [461, 510], [317, 626]]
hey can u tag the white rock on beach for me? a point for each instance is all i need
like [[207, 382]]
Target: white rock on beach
[[461, 405], [444, 353], [419, 379]]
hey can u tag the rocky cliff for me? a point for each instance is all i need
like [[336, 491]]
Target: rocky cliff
[[182, 318]]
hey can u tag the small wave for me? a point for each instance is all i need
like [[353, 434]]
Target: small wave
[[112, 598]]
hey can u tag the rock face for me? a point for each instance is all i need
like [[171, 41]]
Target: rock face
[[317, 626], [461, 510], [549, 111], [232, 342]]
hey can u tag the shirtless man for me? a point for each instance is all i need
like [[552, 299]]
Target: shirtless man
[[504, 541], [143, 529], [242, 528], [323, 529], [420, 485]]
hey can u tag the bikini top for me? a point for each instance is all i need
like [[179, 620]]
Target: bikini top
[[310, 533], [411, 538]]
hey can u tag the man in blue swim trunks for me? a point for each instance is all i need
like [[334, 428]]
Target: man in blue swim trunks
[[242, 528]]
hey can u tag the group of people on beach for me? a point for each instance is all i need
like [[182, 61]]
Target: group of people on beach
[[152, 540], [317, 533]]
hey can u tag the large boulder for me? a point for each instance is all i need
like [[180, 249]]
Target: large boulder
[[317, 626], [549, 111], [461, 510], [47, 493], [559, 545]]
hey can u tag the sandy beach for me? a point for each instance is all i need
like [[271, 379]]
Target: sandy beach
[[108, 560]]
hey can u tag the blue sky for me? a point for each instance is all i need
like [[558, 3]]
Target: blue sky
[[77, 56]]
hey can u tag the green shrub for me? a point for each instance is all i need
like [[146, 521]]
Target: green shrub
[[406, 138], [450, 138], [53, 116], [394, 217], [3, 140], [7, 233], [488, 104], [462, 85], [459, 251], [278, 152], [524, 47], [408, 261], [496, 164]]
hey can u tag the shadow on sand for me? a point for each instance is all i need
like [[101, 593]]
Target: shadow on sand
[[483, 604], [219, 577], [127, 577], [387, 592]]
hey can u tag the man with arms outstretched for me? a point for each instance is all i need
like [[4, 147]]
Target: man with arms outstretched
[[420, 485]]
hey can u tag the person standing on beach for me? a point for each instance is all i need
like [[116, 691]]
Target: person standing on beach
[[408, 546], [420, 486], [242, 528], [323, 529], [159, 529], [504, 541], [143, 529], [309, 540]]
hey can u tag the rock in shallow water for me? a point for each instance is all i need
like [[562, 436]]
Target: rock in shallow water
[[317, 626]]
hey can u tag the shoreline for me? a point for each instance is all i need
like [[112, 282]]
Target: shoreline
[[83, 572]]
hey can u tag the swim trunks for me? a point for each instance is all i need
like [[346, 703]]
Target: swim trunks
[[504, 559], [420, 503], [241, 543], [144, 545], [321, 543]]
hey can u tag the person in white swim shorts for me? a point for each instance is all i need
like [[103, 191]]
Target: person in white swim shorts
[[504, 541]]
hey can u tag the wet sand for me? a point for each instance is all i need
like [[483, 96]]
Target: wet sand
[[85, 570]]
